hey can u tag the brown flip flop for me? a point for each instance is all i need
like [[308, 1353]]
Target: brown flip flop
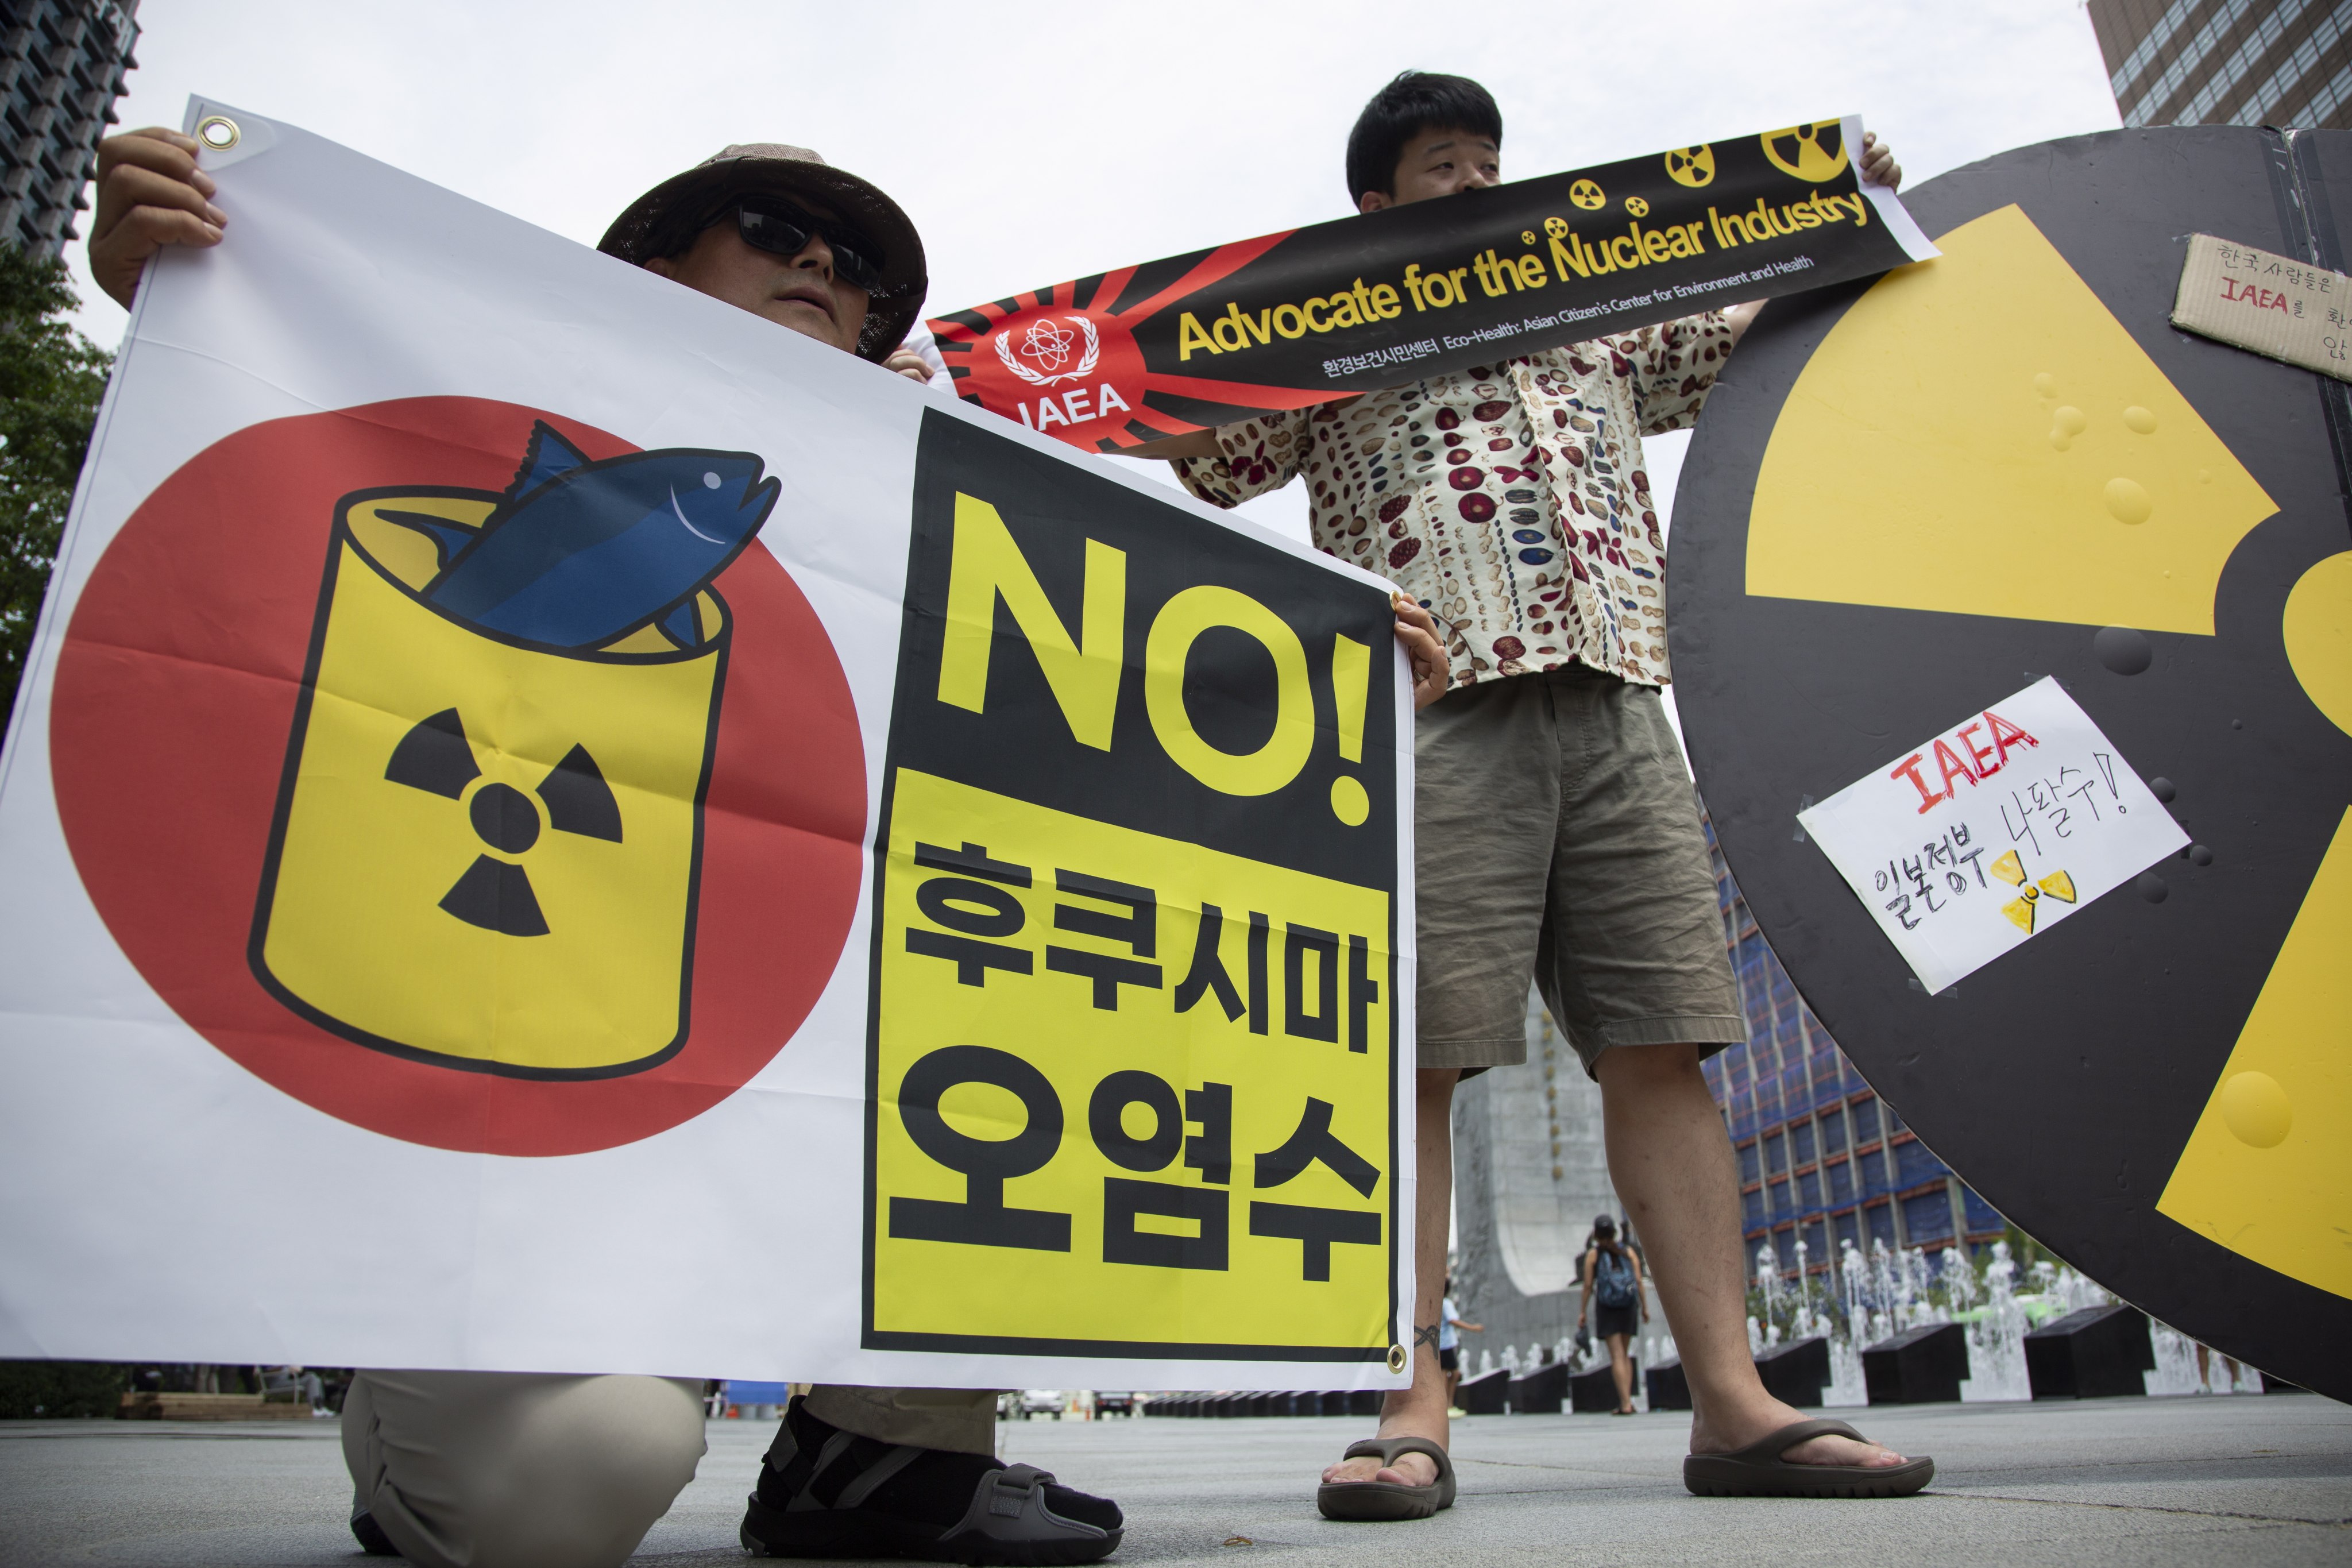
[[1387, 1499], [1758, 1470]]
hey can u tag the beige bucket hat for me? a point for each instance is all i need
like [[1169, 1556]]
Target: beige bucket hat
[[665, 220]]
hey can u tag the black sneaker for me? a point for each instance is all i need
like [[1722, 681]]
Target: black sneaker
[[370, 1536], [825, 1492]]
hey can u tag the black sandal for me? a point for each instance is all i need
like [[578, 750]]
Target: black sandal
[[825, 1492], [1387, 1499], [1758, 1470]]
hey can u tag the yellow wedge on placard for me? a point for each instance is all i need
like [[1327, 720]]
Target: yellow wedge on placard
[[1980, 435], [2268, 1170]]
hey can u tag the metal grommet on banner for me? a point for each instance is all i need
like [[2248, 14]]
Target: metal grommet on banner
[[218, 131], [1396, 1358]]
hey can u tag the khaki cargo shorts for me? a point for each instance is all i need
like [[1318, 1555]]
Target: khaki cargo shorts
[[1557, 838]]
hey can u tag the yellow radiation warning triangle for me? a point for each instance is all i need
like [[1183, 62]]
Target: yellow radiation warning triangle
[[1979, 434], [2268, 1171]]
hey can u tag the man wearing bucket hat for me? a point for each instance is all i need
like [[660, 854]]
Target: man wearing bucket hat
[[517, 1469]]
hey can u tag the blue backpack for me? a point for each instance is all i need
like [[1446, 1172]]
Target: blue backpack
[[1612, 1278]]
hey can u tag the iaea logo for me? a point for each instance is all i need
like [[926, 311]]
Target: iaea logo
[[1047, 343], [1076, 371]]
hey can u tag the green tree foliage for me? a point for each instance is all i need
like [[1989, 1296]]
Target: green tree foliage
[[50, 379], [53, 1390]]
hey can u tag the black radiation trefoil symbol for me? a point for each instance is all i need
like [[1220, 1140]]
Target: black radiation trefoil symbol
[[1815, 152], [1692, 166], [494, 894]]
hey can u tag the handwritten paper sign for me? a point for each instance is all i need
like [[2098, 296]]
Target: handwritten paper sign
[[1985, 837], [2273, 305]]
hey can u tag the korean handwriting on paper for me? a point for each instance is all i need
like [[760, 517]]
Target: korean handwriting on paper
[[2062, 805], [1931, 879]]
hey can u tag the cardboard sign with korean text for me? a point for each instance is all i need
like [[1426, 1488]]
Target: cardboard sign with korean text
[[2274, 305]]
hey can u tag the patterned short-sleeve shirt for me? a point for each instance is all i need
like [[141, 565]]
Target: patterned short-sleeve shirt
[[1508, 499]]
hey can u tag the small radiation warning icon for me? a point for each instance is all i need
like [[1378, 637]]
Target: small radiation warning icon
[[488, 835], [1637, 206], [1809, 152], [2020, 910], [1692, 166], [1588, 196], [1555, 227]]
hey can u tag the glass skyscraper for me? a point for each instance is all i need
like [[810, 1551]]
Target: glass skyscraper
[[1820, 1155], [61, 68], [2229, 62]]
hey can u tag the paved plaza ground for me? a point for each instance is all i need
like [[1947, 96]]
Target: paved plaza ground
[[2248, 1482]]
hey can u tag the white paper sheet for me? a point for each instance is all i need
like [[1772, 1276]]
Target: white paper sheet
[[1982, 837]]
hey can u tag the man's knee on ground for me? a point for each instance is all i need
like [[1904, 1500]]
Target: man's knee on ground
[[615, 1448], [531, 1472]]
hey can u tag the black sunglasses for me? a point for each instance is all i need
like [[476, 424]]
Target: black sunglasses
[[776, 226]]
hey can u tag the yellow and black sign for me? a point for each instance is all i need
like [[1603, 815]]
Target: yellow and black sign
[[2006, 464], [1134, 1064]]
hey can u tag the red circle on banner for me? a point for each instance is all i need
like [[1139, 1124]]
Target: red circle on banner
[[175, 704], [1074, 375]]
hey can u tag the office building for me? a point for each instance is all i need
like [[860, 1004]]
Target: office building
[[1820, 1156], [62, 65], [2229, 62]]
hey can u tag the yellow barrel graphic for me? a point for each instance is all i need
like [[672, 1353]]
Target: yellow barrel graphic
[[486, 851]]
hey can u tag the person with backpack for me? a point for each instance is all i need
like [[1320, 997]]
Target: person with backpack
[[1613, 1271], [1451, 1327]]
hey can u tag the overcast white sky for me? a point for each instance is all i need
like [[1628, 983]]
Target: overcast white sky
[[1042, 140]]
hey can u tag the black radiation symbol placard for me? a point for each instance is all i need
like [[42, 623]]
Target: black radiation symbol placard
[[496, 895], [1913, 496]]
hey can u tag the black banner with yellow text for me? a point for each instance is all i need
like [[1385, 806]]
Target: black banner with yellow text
[[1289, 319]]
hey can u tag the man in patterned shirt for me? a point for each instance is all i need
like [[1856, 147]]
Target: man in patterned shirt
[[1555, 829]]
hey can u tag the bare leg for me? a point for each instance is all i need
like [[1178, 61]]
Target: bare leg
[[1620, 1366], [1420, 1411], [1452, 1387], [1671, 1163]]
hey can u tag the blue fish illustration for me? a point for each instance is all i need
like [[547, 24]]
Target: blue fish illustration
[[579, 553]]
